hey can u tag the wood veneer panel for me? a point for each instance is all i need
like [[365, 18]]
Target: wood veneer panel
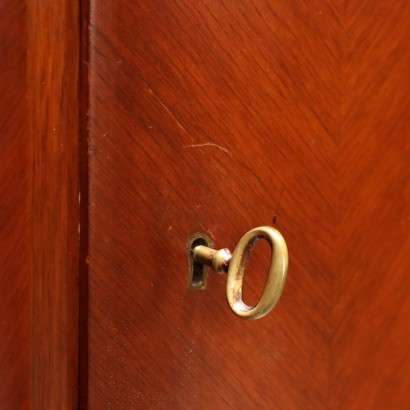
[[53, 101], [213, 117], [221, 116], [39, 49], [83, 255], [371, 340], [14, 186]]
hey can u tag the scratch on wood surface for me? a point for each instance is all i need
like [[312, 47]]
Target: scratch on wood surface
[[207, 144], [151, 91]]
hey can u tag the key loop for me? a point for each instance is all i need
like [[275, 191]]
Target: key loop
[[275, 283]]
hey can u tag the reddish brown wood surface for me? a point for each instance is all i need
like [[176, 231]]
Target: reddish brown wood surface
[[83, 175], [39, 52], [217, 117], [54, 218], [14, 253]]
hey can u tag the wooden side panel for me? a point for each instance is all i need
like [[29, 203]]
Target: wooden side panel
[[53, 99], [14, 188], [39, 52]]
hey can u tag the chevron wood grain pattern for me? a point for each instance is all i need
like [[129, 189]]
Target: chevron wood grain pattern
[[39, 46], [216, 117], [372, 306]]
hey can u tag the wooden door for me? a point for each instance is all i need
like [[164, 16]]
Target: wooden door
[[219, 116]]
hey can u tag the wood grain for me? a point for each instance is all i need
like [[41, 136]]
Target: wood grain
[[217, 117], [53, 33], [83, 175], [39, 159], [14, 186], [372, 306]]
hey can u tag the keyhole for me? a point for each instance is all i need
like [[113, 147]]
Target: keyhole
[[198, 273]]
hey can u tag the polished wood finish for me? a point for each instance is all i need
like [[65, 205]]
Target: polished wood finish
[[83, 175], [217, 117], [14, 186], [39, 204], [54, 209], [371, 310]]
